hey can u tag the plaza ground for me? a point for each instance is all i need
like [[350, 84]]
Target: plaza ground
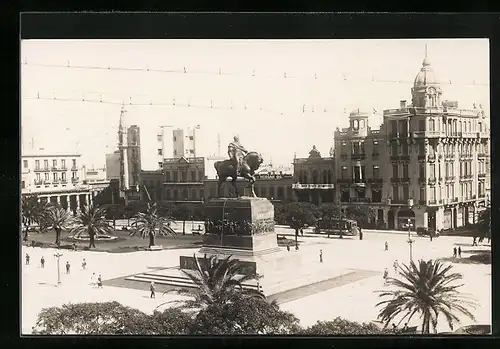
[[351, 300]]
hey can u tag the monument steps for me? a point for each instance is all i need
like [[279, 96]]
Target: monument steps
[[179, 280]]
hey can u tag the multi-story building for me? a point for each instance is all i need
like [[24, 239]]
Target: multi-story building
[[177, 143], [360, 160], [56, 178], [183, 179], [153, 181], [438, 159], [314, 178]]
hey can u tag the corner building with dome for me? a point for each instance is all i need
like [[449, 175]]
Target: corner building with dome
[[429, 161]]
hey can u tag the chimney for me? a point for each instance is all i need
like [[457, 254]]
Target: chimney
[[402, 104]]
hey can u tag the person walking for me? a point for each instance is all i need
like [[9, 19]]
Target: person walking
[[386, 275], [474, 242], [360, 233], [152, 288], [386, 246], [459, 252], [296, 247], [27, 259], [395, 265], [67, 267], [454, 251], [84, 264], [301, 232], [321, 256], [99, 281], [42, 262], [93, 279], [288, 248]]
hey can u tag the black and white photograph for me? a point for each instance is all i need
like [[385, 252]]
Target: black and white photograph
[[255, 187]]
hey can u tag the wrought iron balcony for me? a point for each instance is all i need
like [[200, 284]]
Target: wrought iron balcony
[[432, 180], [481, 175], [450, 178], [40, 182], [431, 157], [363, 200], [312, 186], [74, 179], [358, 156], [74, 168], [42, 169]]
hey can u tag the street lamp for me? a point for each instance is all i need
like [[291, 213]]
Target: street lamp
[[58, 256], [410, 241], [222, 226]]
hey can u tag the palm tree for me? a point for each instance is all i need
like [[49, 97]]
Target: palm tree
[[150, 224], [57, 218], [31, 212], [91, 220], [219, 282], [425, 288], [484, 223]]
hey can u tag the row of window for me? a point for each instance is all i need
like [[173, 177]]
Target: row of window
[[450, 126], [46, 163], [55, 176], [173, 176]]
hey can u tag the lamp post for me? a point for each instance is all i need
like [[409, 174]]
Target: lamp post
[[410, 241], [58, 256], [222, 226]]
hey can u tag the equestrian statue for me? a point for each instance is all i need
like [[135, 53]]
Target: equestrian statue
[[242, 163]]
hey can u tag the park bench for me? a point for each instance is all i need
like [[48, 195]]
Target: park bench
[[156, 248]]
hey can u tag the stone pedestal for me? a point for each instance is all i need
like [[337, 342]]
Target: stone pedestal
[[239, 227]]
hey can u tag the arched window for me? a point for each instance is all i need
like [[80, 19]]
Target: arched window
[[355, 124], [362, 124]]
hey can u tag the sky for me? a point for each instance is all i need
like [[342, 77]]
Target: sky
[[325, 80]]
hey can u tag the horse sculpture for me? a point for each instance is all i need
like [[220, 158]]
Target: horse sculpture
[[228, 168]]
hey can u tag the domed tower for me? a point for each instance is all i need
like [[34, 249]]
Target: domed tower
[[426, 91], [358, 122]]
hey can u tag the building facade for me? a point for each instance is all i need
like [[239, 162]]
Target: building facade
[[56, 178], [113, 166], [313, 178], [360, 160], [439, 158], [183, 179]]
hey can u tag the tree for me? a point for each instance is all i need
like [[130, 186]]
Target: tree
[[108, 318], [243, 316], [343, 327], [484, 223], [279, 213], [219, 282], [57, 218], [299, 215], [183, 212], [361, 214], [92, 220], [31, 212], [150, 224], [426, 288]]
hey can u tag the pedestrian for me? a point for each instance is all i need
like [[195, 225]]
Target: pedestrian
[[42, 262], [33, 243], [67, 267], [99, 281], [431, 235], [459, 252], [288, 248], [27, 259], [321, 256], [386, 275], [152, 288], [395, 265], [454, 251], [296, 247], [84, 264], [386, 246], [74, 246], [360, 233], [93, 279], [474, 242], [301, 232]]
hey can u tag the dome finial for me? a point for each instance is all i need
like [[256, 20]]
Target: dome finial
[[425, 63]]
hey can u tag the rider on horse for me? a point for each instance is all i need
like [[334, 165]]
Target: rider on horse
[[236, 153]]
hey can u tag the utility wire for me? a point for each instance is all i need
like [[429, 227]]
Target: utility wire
[[221, 72]]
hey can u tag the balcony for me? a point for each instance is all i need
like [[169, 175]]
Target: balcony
[[432, 202], [450, 178], [64, 181], [358, 157], [42, 169], [432, 180], [454, 200], [440, 157], [74, 180], [74, 168], [405, 180], [482, 155], [422, 180], [449, 157], [431, 157], [395, 179], [361, 200], [419, 134], [375, 180], [40, 182], [404, 158], [398, 202], [300, 186], [481, 175]]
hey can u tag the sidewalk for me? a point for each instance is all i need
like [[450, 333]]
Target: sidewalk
[[365, 231]]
